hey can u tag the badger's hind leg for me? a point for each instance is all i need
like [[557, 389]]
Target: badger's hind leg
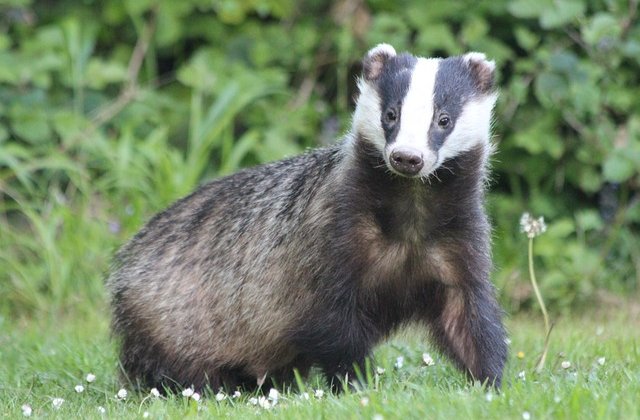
[[468, 328]]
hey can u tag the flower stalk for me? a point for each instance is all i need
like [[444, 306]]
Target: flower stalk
[[532, 228]]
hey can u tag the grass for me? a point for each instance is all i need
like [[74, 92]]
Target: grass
[[45, 359]]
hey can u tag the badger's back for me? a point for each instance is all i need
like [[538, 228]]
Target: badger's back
[[206, 285]]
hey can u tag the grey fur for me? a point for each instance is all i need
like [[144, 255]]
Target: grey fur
[[308, 261]]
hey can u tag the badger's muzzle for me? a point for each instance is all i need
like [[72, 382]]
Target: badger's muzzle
[[406, 161]]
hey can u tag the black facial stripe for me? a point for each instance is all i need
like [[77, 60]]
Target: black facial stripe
[[392, 86], [454, 86]]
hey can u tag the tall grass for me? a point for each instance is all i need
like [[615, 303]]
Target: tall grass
[[65, 205]]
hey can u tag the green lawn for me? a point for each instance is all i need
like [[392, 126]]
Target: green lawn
[[44, 360]]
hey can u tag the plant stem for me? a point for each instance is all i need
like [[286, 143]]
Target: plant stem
[[547, 327]]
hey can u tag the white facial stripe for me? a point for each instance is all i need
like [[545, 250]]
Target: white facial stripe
[[417, 109], [366, 118], [471, 128]]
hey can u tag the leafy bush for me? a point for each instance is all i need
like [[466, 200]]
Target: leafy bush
[[110, 110]]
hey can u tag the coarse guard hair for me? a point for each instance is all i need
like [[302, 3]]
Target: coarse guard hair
[[313, 260]]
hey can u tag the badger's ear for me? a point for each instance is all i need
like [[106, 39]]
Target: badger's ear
[[375, 60], [483, 70]]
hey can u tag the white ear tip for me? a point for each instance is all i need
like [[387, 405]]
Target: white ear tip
[[383, 48], [480, 57]]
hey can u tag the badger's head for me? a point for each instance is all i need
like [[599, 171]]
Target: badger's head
[[419, 112]]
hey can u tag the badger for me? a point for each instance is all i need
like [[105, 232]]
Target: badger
[[310, 262]]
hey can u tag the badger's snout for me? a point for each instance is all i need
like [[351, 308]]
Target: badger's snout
[[407, 161]]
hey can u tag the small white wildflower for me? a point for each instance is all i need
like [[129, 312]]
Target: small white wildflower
[[26, 410], [379, 370], [601, 361], [253, 401], [556, 399], [90, 377], [489, 397], [522, 375], [79, 389], [263, 402], [399, 362], [364, 401], [305, 396], [122, 394], [187, 392], [195, 396], [378, 417], [566, 364], [526, 415], [101, 409], [274, 394], [532, 227], [57, 402], [145, 415], [427, 359], [154, 392], [319, 393], [220, 396]]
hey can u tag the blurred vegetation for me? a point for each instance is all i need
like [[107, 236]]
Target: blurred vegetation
[[111, 110]]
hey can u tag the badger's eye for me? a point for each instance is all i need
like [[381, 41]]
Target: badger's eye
[[444, 121], [391, 116]]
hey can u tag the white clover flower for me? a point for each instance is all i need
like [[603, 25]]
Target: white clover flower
[[364, 401], [57, 403], [154, 392], [187, 392], [79, 389], [427, 359], [145, 415], [379, 370], [101, 409], [236, 394], [253, 401], [566, 364], [601, 361], [26, 410], [532, 227], [263, 402], [522, 375], [195, 397], [220, 396], [90, 377], [399, 362], [526, 415], [274, 394], [122, 394], [319, 393]]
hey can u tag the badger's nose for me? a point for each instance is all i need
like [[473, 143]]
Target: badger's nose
[[407, 161]]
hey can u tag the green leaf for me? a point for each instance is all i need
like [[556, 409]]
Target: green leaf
[[602, 25], [528, 8], [30, 124], [561, 13], [526, 38], [618, 167]]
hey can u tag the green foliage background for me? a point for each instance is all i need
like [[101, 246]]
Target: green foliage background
[[110, 110]]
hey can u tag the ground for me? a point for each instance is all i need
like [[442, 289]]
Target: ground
[[593, 371]]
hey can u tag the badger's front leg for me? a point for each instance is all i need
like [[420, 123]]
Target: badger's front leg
[[467, 325]]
